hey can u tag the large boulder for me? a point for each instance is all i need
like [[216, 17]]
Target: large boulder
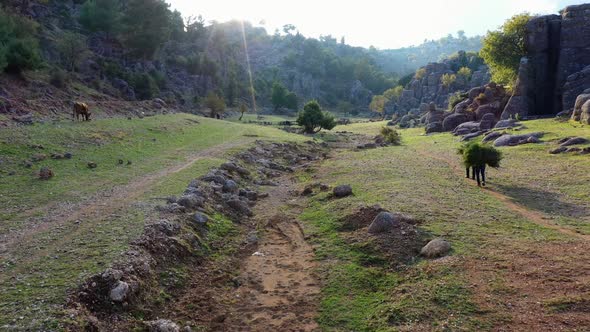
[[452, 121], [580, 101], [487, 121], [120, 291], [163, 325], [436, 248], [511, 140], [466, 128], [434, 127], [585, 115], [383, 222]]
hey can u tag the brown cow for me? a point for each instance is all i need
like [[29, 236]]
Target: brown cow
[[81, 109]]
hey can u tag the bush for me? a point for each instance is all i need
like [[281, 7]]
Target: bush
[[144, 85], [58, 78], [215, 103], [391, 135], [100, 15], [456, 98], [448, 79], [465, 72], [19, 47], [72, 49], [420, 73], [312, 119]]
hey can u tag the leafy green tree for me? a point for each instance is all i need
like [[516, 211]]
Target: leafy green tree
[[281, 97], [146, 26], [291, 101], [465, 73], [391, 135], [394, 93], [72, 49], [19, 46], [503, 49], [448, 79], [243, 109], [313, 119], [145, 86], [377, 104], [101, 15], [215, 103]]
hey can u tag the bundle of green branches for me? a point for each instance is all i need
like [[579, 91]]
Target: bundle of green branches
[[391, 135], [476, 154]]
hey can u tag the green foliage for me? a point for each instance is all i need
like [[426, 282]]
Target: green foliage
[[394, 93], [215, 103], [144, 85], [243, 109], [448, 79], [420, 73], [58, 78], [281, 97], [313, 119], [465, 73], [101, 15], [19, 47], [503, 49], [456, 98], [146, 26], [476, 154], [405, 80], [72, 49], [377, 104], [391, 135]]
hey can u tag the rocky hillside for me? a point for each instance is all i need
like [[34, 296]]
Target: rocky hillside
[[129, 51]]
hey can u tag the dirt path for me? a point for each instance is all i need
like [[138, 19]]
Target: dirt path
[[534, 216], [100, 205], [270, 286]]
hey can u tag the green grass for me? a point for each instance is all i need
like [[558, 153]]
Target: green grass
[[35, 277], [408, 179]]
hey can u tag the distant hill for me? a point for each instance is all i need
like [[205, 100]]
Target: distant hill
[[141, 50]]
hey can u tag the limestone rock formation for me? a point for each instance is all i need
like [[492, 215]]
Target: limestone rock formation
[[557, 66]]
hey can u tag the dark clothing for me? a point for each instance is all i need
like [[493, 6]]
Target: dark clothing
[[480, 171]]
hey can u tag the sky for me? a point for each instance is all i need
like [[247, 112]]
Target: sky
[[382, 24]]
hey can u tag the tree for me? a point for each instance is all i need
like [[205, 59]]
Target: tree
[[394, 93], [377, 105], [448, 79], [72, 49], [503, 49], [288, 28], [146, 26], [101, 15], [313, 119], [243, 109], [278, 95], [215, 103], [19, 46], [465, 73], [291, 101]]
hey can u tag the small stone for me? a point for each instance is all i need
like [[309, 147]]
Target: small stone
[[191, 201], [436, 248], [200, 218], [343, 191], [45, 173], [163, 325], [230, 186], [120, 292], [383, 222], [92, 165]]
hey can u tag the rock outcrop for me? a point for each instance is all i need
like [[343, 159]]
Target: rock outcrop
[[557, 66]]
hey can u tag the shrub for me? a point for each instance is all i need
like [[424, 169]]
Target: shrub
[[72, 49], [456, 98], [215, 103], [312, 119], [448, 79], [19, 47], [144, 85], [465, 73], [391, 135], [100, 15], [420, 73], [58, 78], [481, 99]]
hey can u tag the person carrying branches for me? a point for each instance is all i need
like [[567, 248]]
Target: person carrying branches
[[476, 156]]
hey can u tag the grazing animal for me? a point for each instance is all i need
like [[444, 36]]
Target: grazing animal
[[81, 109]]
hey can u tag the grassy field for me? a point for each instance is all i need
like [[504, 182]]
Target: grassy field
[[519, 254], [424, 178], [59, 240]]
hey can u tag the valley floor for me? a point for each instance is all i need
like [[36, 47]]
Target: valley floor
[[519, 260]]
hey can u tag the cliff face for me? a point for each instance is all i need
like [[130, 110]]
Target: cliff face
[[551, 75]]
